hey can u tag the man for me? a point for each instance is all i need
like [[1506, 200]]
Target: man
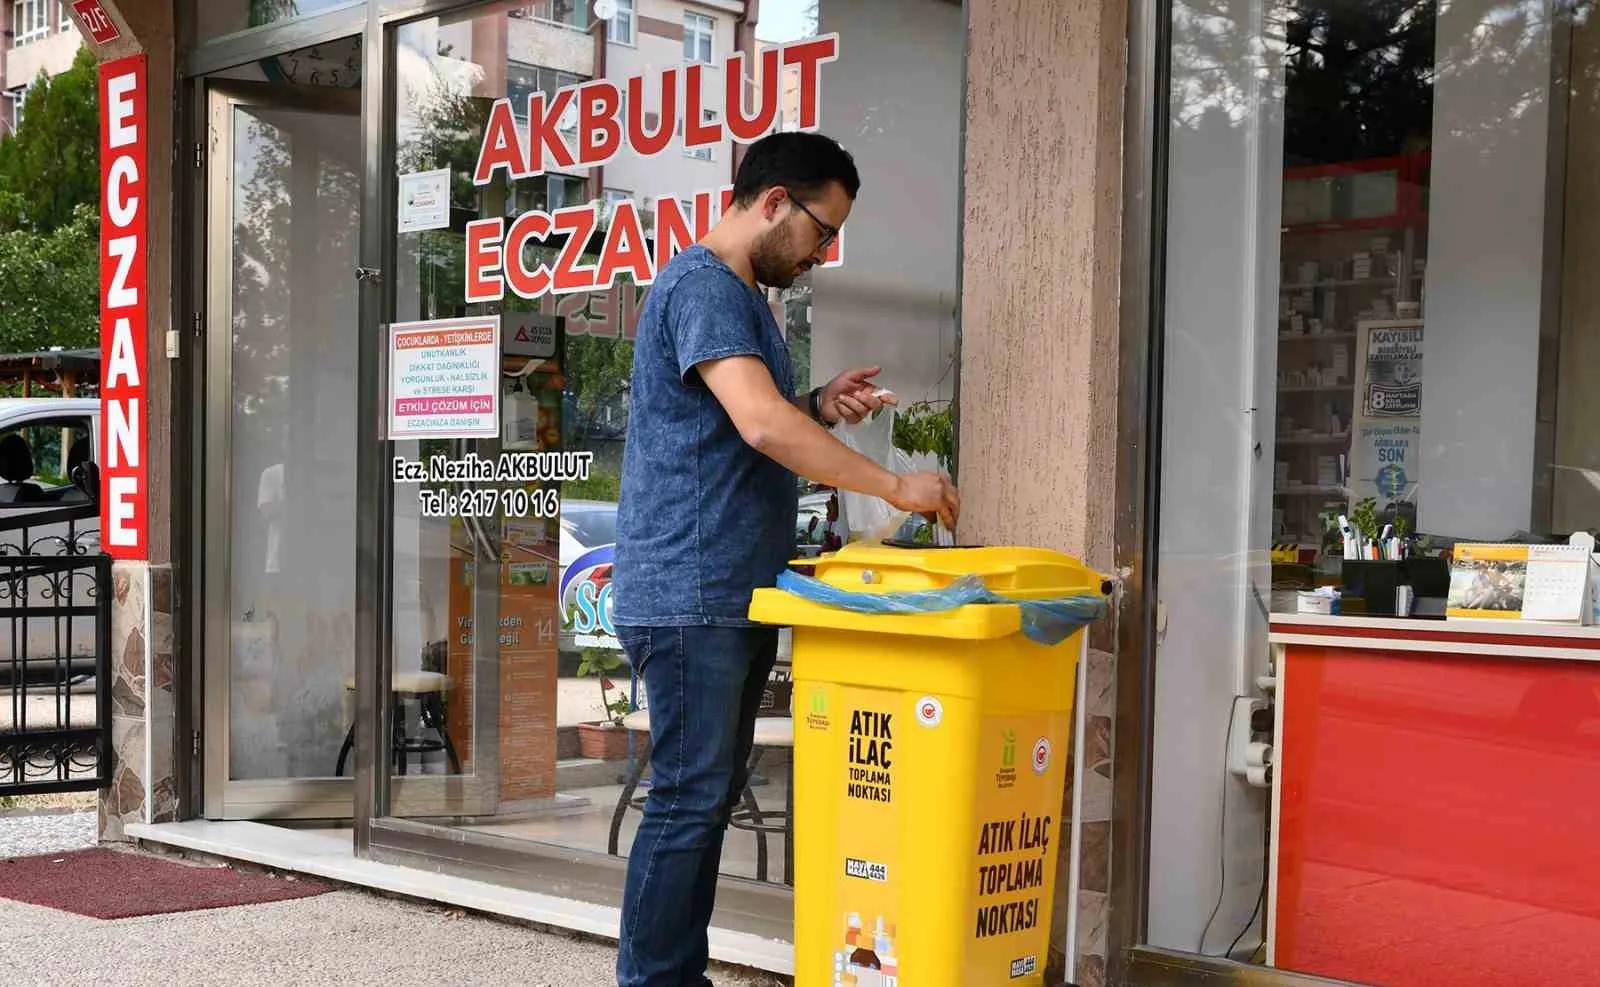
[[716, 436]]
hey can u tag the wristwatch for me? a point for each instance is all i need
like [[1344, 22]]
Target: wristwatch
[[814, 402]]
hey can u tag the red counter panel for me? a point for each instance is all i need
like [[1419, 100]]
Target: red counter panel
[[1439, 817]]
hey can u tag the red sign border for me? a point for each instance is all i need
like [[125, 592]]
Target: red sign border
[[124, 311]]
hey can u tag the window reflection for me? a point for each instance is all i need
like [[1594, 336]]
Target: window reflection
[[893, 97], [215, 19], [1375, 309]]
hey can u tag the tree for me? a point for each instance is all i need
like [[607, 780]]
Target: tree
[[50, 164], [1358, 80], [50, 285], [49, 215]]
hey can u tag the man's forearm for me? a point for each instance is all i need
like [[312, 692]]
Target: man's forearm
[[792, 438]]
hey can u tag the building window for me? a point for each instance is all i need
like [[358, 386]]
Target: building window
[[547, 195], [702, 153], [523, 80], [562, 191], [572, 14], [699, 33], [622, 24], [66, 16], [614, 196], [30, 21], [15, 98]]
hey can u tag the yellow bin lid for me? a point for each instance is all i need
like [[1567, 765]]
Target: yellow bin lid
[[870, 567], [1018, 572]]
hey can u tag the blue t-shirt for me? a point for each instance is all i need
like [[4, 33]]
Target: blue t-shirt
[[703, 519]]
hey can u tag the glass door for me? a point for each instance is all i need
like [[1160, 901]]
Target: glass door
[[279, 549]]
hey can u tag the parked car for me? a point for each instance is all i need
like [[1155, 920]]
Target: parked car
[[48, 448], [811, 524], [588, 532]]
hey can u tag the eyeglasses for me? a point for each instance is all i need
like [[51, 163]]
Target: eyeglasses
[[828, 232]]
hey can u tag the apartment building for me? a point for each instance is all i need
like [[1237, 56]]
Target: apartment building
[[647, 36], [40, 38], [556, 43]]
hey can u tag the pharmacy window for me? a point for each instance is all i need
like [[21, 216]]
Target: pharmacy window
[[699, 36], [459, 104], [1380, 333]]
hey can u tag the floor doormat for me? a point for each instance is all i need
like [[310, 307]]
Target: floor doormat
[[109, 884]]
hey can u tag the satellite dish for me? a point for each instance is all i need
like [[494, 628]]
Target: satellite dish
[[605, 9], [569, 118]]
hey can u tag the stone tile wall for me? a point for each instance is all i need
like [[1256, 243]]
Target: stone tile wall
[[143, 704]]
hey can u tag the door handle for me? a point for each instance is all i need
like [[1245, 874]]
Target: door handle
[[369, 274]]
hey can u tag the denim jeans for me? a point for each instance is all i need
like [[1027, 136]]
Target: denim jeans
[[703, 687]]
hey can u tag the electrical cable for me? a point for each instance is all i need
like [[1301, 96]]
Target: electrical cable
[[1260, 899], [1222, 831]]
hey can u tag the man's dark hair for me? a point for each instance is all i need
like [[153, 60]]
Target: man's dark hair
[[802, 162]]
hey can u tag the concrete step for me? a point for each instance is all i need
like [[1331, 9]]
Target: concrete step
[[587, 772]]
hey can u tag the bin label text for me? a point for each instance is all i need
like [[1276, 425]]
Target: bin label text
[[866, 870], [871, 756], [869, 826], [1015, 843]]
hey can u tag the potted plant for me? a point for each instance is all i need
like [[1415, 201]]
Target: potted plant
[[607, 739]]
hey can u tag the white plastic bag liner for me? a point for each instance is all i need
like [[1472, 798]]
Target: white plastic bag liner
[[868, 518], [519, 418]]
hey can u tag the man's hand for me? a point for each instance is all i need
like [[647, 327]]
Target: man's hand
[[849, 397], [778, 429], [928, 494]]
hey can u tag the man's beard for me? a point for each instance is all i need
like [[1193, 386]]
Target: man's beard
[[769, 263]]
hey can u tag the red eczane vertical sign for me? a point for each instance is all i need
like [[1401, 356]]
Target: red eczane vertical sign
[[124, 305]]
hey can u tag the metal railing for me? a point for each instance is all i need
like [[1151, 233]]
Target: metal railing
[[55, 652]]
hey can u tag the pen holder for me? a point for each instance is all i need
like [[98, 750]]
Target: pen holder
[[1369, 587]]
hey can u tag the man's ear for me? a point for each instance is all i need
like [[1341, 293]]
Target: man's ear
[[772, 200]]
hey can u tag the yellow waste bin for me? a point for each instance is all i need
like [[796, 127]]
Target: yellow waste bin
[[930, 755]]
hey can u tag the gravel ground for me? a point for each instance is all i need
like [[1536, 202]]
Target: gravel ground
[[347, 938], [24, 835], [342, 939]]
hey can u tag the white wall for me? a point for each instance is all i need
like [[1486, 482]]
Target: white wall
[[894, 100], [549, 45], [1485, 278], [52, 56]]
